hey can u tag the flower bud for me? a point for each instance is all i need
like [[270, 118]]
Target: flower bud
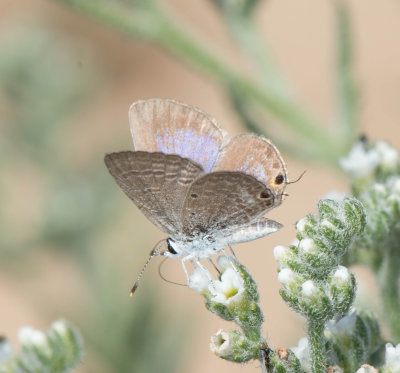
[[392, 359], [234, 346], [365, 368]]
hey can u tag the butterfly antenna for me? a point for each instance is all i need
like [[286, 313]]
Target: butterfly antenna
[[155, 252], [165, 279], [215, 266], [298, 179]]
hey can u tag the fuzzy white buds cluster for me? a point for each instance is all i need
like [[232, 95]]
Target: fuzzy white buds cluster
[[57, 350], [313, 282]]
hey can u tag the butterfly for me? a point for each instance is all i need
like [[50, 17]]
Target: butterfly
[[203, 188]]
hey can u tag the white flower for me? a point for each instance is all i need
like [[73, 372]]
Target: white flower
[[60, 327], [224, 262], [367, 369], [302, 352], [360, 161], [344, 326], [5, 350], [200, 280], [29, 336], [229, 289], [301, 225], [392, 357], [221, 343], [335, 196], [309, 289], [307, 245], [281, 253], [389, 156], [341, 275], [288, 277]]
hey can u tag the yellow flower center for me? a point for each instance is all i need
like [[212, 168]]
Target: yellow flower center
[[231, 292]]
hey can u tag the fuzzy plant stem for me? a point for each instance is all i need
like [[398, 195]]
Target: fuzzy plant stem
[[388, 282], [316, 342]]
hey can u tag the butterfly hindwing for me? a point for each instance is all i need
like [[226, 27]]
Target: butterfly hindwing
[[157, 183], [258, 157], [171, 127], [220, 200]]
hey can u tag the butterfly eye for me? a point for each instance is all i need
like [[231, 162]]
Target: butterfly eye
[[265, 194], [279, 179], [194, 195], [169, 247]]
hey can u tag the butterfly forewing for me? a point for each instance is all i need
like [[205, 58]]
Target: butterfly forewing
[[157, 183], [257, 157], [220, 200], [171, 127]]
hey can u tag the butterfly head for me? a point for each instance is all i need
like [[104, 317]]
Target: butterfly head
[[170, 247]]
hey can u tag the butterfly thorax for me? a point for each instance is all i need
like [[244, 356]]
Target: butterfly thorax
[[201, 246]]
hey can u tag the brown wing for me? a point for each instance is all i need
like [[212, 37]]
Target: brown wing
[[171, 127], [219, 200], [157, 183], [258, 157]]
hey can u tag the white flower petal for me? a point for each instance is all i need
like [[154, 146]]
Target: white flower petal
[[200, 279], [367, 369], [229, 289], [221, 343], [302, 352], [360, 162], [286, 276], [345, 325], [392, 357], [309, 289]]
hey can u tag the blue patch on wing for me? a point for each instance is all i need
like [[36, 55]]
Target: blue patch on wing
[[258, 171], [189, 143]]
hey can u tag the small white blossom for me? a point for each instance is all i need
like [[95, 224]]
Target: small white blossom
[[29, 336], [307, 245], [224, 262], [335, 196], [342, 275], [221, 343], [389, 156], [301, 225], [229, 289], [200, 280], [392, 358], [379, 188], [360, 162], [367, 369], [5, 350], [302, 352], [394, 182], [295, 242], [281, 253], [344, 326], [309, 289], [60, 327], [287, 277]]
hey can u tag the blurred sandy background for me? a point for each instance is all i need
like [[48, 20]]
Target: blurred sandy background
[[39, 284]]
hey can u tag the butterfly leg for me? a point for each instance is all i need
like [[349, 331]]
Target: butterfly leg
[[232, 252], [184, 267]]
